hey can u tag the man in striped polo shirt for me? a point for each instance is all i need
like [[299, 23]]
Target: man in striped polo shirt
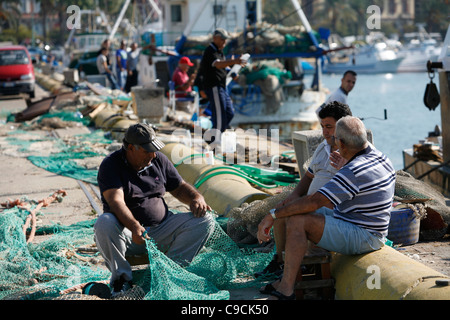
[[361, 192]]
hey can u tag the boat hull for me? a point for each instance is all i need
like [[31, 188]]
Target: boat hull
[[387, 66], [294, 114], [416, 63]]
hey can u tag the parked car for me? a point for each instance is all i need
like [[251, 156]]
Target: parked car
[[16, 71]]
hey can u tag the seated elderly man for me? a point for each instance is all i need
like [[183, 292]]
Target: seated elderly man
[[133, 181], [361, 193], [320, 170]]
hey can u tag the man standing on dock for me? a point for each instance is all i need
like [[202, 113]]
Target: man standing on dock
[[361, 193], [121, 65], [214, 69], [104, 69], [348, 81]]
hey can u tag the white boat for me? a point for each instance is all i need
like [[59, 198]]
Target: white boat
[[371, 58], [420, 48], [294, 111], [417, 53]]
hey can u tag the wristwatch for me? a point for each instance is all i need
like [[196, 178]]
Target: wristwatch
[[272, 213]]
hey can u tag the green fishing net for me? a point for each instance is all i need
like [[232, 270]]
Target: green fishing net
[[30, 271], [49, 269], [64, 258], [219, 267]]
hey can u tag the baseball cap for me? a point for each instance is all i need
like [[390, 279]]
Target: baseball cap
[[143, 135], [222, 33], [186, 60]]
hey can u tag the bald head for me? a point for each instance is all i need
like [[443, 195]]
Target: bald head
[[352, 132]]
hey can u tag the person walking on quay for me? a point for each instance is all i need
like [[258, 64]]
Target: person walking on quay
[[214, 71]]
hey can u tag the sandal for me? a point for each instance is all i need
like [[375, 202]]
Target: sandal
[[267, 289], [281, 296]]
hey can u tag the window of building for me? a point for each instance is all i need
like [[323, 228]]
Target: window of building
[[175, 13]]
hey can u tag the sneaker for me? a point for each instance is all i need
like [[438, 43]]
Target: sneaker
[[120, 286], [273, 268]]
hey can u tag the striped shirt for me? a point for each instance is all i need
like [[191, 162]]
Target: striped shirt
[[362, 191]]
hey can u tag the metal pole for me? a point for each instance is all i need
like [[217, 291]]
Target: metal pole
[[119, 19]]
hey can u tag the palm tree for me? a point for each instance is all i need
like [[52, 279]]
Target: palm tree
[[336, 15], [10, 13], [360, 9]]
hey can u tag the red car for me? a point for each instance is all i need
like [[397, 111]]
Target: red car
[[16, 71]]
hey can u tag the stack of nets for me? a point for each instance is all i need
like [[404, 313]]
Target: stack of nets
[[30, 271], [219, 267], [54, 268], [423, 196], [242, 226]]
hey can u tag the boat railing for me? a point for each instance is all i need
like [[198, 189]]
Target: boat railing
[[250, 99]]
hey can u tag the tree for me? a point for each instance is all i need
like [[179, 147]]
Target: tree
[[280, 12], [336, 15], [10, 15], [359, 7], [434, 13]]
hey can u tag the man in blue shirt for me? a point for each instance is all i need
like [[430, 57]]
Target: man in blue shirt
[[361, 192], [121, 65], [132, 182]]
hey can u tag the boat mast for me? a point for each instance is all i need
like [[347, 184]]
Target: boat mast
[[305, 22], [119, 19]]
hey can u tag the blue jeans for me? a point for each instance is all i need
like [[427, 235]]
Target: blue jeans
[[121, 78], [112, 80]]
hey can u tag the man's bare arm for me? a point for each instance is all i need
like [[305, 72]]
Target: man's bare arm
[[116, 202], [190, 196]]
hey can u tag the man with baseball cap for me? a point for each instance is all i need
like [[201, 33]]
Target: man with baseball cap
[[222, 33], [214, 71], [183, 84], [132, 182]]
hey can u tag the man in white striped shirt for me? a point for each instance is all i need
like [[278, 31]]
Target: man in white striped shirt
[[361, 193]]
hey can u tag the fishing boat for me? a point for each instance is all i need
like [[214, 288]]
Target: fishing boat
[[290, 104], [420, 48], [370, 58]]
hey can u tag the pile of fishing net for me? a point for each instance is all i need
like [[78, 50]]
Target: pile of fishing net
[[428, 203], [30, 271], [58, 267], [261, 38], [243, 222], [268, 76], [76, 156]]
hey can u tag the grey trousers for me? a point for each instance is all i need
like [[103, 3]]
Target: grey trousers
[[180, 236]]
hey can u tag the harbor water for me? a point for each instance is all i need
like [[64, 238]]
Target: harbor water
[[401, 94]]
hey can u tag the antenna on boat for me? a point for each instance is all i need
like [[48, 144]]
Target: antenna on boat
[[385, 117]]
